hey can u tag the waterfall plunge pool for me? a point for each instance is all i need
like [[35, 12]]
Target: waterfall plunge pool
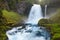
[[31, 31]]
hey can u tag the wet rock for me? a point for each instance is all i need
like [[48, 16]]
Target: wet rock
[[23, 7]]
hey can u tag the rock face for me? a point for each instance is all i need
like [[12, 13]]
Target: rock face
[[19, 7], [23, 7]]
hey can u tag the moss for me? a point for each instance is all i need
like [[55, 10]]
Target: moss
[[44, 21], [11, 17]]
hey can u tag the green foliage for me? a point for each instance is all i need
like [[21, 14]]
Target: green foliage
[[11, 17], [55, 31], [3, 32], [53, 25], [54, 28], [2, 19], [56, 36]]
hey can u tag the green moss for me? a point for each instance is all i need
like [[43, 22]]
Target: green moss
[[11, 17]]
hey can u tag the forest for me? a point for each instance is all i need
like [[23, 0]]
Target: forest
[[14, 12]]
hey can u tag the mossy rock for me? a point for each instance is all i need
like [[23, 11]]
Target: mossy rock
[[11, 17], [44, 21]]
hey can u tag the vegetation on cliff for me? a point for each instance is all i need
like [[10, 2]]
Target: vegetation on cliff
[[10, 14], [53, 25], [7, 21]]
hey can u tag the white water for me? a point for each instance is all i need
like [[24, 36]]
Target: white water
[[31, 31], [35, 14]]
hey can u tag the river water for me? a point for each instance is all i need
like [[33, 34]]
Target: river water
[[31, 31]]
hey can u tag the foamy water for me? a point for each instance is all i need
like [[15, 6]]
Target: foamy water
[[31, 31]]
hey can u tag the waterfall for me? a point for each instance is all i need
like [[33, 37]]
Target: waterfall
[[45, 10], [31, 31], [35, 14]]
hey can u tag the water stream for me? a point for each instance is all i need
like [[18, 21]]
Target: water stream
[[31, 31]]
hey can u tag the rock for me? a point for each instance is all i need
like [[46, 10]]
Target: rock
[[23, 7], [19, 7]]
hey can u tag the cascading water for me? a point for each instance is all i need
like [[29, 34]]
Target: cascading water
[[35, 14], [31, 31]]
